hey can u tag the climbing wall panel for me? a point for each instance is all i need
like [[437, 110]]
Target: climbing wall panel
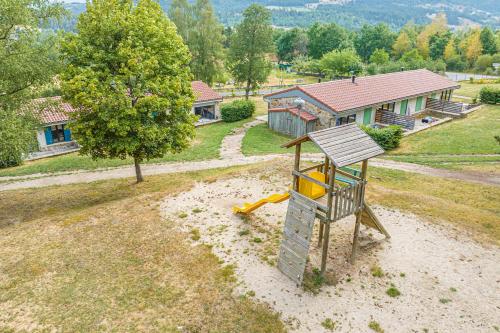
[[297, 234]]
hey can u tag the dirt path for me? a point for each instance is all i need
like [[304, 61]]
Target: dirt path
[[231, 145], [476, 177], [448, 283], [13, 183]]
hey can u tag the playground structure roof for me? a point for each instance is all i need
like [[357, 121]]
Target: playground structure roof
[[344, 145]]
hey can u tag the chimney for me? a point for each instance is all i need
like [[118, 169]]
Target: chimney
[[353, 79]]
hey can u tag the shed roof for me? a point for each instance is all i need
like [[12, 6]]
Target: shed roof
[[343, 95], [294, 111], [344, 145], [52, 110], [203, 93]]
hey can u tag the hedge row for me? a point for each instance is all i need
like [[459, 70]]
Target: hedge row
[[237, 110], [490, 95], [388, 137]]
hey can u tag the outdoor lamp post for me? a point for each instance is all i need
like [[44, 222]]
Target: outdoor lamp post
[[299, 103]]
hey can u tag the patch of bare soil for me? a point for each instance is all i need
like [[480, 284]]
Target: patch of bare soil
[[447, 282]]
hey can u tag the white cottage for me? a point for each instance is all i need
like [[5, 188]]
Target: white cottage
[[55, 135]]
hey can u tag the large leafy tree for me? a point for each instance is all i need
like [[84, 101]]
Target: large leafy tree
[[488, 41], [291, 44], [340, 63], [27, 60], [127, 71], [180, 12], [203, 34], [250, 44], [372, 37], [437, 44], [401, 45], [206, 43], [324, 38]]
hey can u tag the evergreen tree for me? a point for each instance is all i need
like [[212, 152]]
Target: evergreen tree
[[250, 44], [128, 75]]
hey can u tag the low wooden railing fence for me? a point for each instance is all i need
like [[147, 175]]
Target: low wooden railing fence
[[391, 118], [348, 200], [445, 106]]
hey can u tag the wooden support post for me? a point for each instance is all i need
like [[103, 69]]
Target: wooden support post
[[324, 256], [296, 167], [364, 168], [326, 167]]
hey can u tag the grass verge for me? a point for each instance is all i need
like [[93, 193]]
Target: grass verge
[[205, 146], [470, 206], [472, 135], [99, 257], [472, 89], [260, 140]]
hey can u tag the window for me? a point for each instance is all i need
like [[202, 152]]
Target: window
[[207, 112], [346, 120], [57, 133], [388, 107]]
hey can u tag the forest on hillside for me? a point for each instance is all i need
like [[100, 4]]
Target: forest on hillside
[[353, 14]]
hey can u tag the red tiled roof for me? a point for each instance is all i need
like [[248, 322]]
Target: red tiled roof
[[203, 93], [343, 95], [303, 115], [52, 109]]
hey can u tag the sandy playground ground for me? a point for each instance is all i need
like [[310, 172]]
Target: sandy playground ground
[[448, 283]]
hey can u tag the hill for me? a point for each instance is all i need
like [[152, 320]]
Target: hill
[[354, 13]]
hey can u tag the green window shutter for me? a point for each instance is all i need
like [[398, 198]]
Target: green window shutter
[[418, 107], [367, 117], [404, 106]]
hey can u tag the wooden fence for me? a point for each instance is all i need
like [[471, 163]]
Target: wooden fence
[[391, 118], [348, 200], [444, 106]]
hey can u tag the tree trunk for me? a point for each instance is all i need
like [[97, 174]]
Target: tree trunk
[[247, 90], [138, 172]]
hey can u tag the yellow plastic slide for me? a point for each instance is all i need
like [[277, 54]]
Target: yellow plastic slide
[[250, 207], [306, 188]]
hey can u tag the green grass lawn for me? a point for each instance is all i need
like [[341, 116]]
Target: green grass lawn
[[205, 146], [261, 140], [472, 135], [472, 89]]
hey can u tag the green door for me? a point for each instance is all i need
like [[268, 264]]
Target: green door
[[418, 107], [367, 117], [404, 107]]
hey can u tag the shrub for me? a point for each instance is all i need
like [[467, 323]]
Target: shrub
[[388, 137], [490, 95], [237, 110]]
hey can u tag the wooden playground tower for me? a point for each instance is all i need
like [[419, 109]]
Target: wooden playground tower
[[344, 195]]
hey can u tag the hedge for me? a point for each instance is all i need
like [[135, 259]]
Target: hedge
[[490, 95], [388, 137], [237, 110]]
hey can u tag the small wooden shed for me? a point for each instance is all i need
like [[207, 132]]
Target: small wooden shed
[[286, 121], [342, 146]]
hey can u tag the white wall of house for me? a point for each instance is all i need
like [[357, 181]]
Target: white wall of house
[[40, 137]]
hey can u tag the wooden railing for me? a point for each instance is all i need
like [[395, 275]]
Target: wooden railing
[[391, 118], [444, 106], [348, 200]]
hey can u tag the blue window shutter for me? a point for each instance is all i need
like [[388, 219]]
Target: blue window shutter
[[48, 135], [67, 134]]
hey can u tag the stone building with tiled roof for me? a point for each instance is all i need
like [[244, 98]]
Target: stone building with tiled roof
[[362, 100]]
